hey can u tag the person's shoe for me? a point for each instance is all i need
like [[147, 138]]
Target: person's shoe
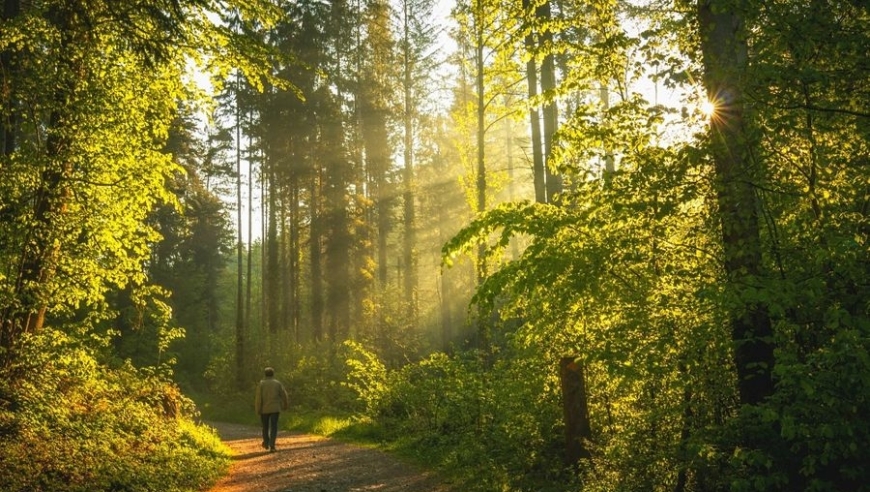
[[265, 445], [272, 449]]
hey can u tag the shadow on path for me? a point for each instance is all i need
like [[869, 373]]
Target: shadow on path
[[307, 463]]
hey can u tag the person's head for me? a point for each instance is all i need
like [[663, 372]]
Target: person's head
[[269, 372]]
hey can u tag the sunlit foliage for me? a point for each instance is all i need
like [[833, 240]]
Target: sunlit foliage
[[88, 95], [69, 423], [632, 275]]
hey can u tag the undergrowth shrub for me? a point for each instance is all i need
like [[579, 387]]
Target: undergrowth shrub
[[496, 428], [313, 382], [71, 423]]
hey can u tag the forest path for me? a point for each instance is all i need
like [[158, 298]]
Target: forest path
[[307, 463]]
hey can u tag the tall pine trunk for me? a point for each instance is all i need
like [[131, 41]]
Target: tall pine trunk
[[316, 228], [240, 249], [293, 308], [338, 239], [272, 271], [409, 259], [250, 269]]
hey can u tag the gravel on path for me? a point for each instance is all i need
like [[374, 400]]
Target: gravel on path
[[307, 463]]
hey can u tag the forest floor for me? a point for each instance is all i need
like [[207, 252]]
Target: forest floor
[[307, 463]]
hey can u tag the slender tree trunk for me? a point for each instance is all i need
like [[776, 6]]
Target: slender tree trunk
[[293, 298], [483, 325], [481, 137], [372, 99], [250, 269], [534, 115], [382, 216], [272, 270], [410, 223], [551, 112], [377, 161], [284, 258], [723, 43], [364, 264], [240, 249], [375, 140], [265, 209], [338, 240], [316, 265], [512, 185]]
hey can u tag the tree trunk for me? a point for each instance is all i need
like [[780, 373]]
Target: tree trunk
[[338, 238], [272, 270], [40, 250], [408, 255], [534, 115], [575, 409], [482, 324], [316, 269], [240, 250], [265, 209], [293, 265], [723, 43], [512, 185], [551, 114], [250, 267]]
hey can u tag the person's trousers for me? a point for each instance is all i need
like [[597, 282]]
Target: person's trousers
[[270, 429]]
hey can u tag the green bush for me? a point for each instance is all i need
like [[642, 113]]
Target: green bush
[[70, 423], [493, 428]]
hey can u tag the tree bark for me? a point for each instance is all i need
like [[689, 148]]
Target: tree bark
[[338, 241], [724, 48], [250, 266], [534, 116], [315, 254], [274, 247], [482, 269], [551, 112], [410, 223], [575, 409], [240, 250], [293, 299]]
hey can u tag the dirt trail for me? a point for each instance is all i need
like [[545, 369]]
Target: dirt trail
[[306, 463]]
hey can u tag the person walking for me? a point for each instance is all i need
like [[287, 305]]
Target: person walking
[[270, 400]]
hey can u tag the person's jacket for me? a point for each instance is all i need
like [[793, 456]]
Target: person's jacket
[[271, 397]]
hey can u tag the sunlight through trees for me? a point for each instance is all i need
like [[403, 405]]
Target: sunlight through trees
[[555, 245]]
